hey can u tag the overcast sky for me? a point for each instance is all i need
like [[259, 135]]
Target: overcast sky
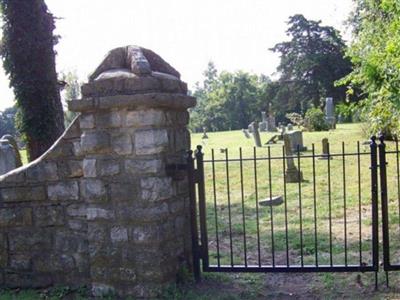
[[234, 34]]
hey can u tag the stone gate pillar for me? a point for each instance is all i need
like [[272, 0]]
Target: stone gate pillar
[[133, 127]]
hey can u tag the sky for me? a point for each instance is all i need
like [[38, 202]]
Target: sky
[[234, 34]]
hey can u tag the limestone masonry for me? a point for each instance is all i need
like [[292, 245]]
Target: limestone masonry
[[98, 208]]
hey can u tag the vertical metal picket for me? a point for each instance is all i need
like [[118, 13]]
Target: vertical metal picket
[[374, 198], [202, 208], [193, 216]]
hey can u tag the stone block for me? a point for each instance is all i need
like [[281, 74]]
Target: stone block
[[142, 118], [76, 210], [63, 191], [75, 168], [97, 213], [53, 263], [119, 234], [89, 167], [182, 140], [93, 190], [149, 214], [146, 233], [108, 167], [77, 149], [49, 215], [95, 142], [3, 252], [73, 131], [152, 141], [86, 121], [77, 225], [20, 262], [111, 119], [63, 149], [65, 242], [32, 240], [14, 176], [121, 143], [26, 193], [156, 188], [42, 171], [15, 216], [123, 192], [141, 167]]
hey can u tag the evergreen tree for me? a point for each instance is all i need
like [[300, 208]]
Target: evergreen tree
[[29, 60]]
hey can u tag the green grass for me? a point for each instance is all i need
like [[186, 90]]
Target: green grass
[[24, 156], [347, 195]]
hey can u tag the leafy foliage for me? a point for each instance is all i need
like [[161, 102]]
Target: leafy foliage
[[295, 119], [227, 101], [314, 120], [375, 53], [29, 61], [310, 64], [71, 91]]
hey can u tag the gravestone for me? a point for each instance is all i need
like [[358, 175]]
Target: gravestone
[[296, 141], [205, 136], [292, 174], [256, 134], [250, 128], [273, 140], [264, 123], [330, 113], [325, 149], [271, 121], [290, 127], [8, 160], [13, 143], [274, 201], [246, 133]]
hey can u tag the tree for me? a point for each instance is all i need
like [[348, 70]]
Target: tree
[[228, 101], [375, 54], [310, 63], [29, 60]]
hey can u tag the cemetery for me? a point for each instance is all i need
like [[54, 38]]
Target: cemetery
[[135, 184]]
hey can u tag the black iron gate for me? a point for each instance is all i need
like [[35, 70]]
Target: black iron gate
[[317, 223]]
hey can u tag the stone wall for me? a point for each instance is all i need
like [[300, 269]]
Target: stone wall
[[99, 208]]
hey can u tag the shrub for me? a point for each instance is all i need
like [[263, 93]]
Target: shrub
[[314, 120]]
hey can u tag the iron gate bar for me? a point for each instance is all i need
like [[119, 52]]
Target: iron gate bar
[[286, 215], [374, 196], [202, 207], [387, 265], [193, 216], [290, 156], [315, 207], [359, 201], [330, 204], [290, 269]]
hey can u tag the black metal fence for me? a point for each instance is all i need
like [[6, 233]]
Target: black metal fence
[[266, 211]]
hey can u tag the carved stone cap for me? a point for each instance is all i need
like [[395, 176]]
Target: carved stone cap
[[165, 101], [132, 70]]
